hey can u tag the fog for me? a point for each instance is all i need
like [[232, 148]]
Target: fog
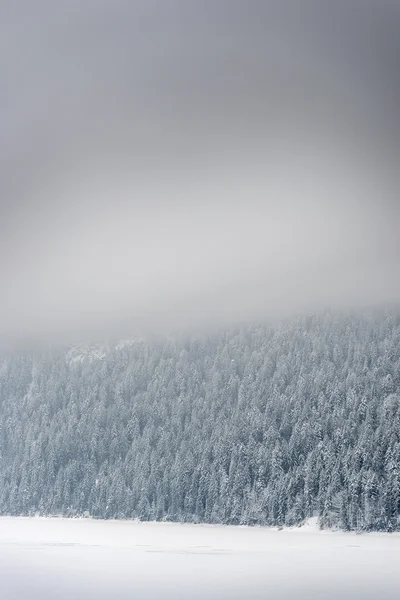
[[176, 164]]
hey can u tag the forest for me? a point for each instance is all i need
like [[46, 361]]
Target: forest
[[266, 424]]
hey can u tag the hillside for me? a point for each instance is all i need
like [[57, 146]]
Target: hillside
[[262, 425]]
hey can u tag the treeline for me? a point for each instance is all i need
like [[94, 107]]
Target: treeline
[[261, 425]]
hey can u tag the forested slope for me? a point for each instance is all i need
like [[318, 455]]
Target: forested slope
[[266, 424]]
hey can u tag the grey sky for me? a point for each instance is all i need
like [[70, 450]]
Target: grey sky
[[169, 164]]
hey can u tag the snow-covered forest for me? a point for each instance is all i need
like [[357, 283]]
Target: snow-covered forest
[[267, 424]]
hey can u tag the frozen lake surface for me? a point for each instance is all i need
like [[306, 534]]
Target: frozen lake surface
[[84, 559]]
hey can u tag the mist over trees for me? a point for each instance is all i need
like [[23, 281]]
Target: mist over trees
[[267, 424]]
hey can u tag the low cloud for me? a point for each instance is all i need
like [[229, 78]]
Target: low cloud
[[190, 167]]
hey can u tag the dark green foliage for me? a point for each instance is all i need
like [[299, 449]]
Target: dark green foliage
[[265, 425]]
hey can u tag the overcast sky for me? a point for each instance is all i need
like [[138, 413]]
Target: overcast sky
[[182, 163]]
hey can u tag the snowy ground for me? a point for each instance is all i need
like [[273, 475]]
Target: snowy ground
[[77, 559]]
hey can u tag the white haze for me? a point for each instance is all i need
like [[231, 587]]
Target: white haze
[[223, 248], [182, 164]]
